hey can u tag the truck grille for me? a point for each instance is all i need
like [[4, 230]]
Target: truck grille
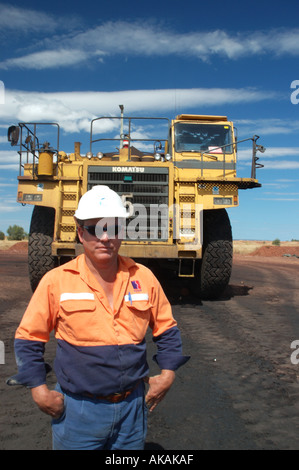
[[146, 189]]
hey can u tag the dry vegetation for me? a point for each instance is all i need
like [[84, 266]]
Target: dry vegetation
[[241, 247], [5, 244], [13, 246], [247, 247]]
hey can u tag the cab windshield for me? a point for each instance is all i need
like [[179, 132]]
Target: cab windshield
[[205, 138]]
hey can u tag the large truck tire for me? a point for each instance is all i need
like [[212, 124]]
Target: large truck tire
[[40, 259], [216, 264]]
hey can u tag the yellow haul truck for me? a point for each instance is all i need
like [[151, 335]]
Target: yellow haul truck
[[176, 189]]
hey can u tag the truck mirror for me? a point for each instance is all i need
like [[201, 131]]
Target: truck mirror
[[13, 135]]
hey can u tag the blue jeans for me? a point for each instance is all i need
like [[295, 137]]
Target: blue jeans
[[88, 424]]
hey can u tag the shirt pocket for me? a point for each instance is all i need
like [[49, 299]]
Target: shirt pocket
[[139, 310], [78, 320]]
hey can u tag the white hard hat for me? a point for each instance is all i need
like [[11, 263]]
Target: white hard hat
[[100, 202]]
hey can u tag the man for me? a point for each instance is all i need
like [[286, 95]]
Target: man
[[100, 306]]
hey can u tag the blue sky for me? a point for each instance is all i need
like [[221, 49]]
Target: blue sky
[[69, 62]]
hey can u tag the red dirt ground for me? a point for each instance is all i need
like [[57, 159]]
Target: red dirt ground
[[267, 250], [276, 251], [18, 247]]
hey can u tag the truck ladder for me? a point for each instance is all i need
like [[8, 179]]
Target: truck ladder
[[69, 198]]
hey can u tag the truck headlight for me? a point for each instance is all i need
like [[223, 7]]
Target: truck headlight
[[224, 201], [187, 232]]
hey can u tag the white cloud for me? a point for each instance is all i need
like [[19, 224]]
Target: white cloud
[[267, 126], [8, 156], [287, 180], [276, 165], [9, 206], [270, 152], [282, 151], [282, 194], [9, 166], [281, 165], [24, 20], [277, 199], [47, 59], [134, 39], [74, 110], [16, 18], [9, 160], [282, 154], [281, 184]]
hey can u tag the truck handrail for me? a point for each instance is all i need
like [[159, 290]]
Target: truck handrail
[[31, 147], [255, 148], [129, 119]]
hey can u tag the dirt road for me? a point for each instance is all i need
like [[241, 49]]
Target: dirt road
[[239, 390]]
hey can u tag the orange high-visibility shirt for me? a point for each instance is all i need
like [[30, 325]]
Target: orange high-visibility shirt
[[99, 350]]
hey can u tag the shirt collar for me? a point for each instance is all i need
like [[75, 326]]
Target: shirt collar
[[79, 266]]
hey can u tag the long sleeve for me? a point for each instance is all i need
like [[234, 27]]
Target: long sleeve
[[169, 350], [166, 334], [31, 336], [32, 370]]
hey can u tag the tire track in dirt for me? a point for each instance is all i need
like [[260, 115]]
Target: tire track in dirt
[[245, 340]]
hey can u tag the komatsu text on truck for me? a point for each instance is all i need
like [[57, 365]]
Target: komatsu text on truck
[[176, 189]]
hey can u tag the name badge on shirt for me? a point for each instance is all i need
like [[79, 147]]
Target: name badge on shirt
[[135, 297]]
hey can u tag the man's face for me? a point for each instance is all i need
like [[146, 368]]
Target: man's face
[[101, 239]]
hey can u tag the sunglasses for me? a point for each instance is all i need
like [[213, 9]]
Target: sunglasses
[[111, 230]]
